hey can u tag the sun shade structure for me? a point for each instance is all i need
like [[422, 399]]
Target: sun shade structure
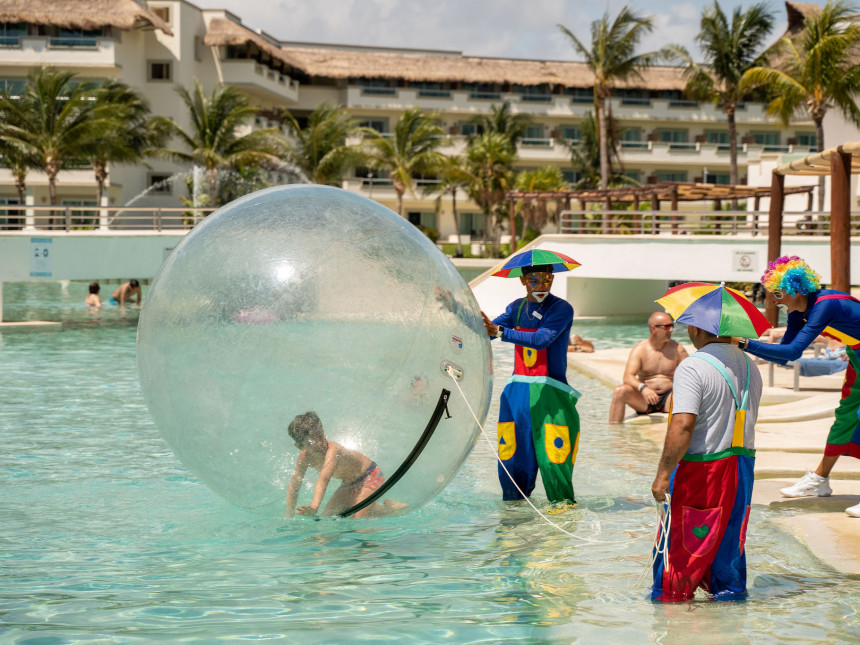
[[87, 14], [513, 267], [840, 163], [714, 308]]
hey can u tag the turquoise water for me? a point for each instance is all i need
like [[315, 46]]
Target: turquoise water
[[107, 538]]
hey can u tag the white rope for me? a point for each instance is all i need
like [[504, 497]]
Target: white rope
[[525, 497], [661, 539]]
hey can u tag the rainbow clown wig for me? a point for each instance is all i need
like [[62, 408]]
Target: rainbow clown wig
[[791, 275]]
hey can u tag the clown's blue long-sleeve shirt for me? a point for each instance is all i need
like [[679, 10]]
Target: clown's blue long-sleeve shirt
[[838, 317], [553, 330]]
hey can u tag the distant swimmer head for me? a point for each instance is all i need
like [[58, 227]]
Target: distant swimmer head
[[790, 275]]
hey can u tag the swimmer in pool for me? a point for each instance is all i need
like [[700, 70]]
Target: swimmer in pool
[[360, 476], [93, 299], [126, 292]]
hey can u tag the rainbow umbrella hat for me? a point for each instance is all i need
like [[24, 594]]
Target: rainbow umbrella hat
[[513, 267], [714, 308]]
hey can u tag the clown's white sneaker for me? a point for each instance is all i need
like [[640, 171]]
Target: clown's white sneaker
[[853, 511], [810, 485]]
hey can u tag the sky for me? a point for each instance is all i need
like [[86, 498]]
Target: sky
[[494, 28]]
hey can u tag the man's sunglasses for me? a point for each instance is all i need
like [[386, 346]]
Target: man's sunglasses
[[666, 326]]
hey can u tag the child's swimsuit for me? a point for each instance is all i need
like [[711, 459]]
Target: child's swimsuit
[[372, 478]]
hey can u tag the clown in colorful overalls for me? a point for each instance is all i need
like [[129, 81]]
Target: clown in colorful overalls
[[813, 311], [707, 467], [538, 423]]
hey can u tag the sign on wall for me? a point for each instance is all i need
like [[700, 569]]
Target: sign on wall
[[41, 256], [745, 261]]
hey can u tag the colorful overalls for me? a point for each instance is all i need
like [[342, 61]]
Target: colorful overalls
[[835, 315], [538, 424], [711, 496]]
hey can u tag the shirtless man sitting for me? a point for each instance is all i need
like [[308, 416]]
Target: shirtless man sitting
[[647, 382]]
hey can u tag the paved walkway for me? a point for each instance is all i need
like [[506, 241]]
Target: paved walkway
[[790, 437]]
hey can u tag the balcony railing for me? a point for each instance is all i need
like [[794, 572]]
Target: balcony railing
[[740, 223], [16, 217]]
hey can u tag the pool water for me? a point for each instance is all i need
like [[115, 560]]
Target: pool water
[[107, 538]]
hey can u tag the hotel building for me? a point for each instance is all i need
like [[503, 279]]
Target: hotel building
[[160, 43]]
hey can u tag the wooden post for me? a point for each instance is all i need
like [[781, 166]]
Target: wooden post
[[840, 221], [674, 196], [774, 234]]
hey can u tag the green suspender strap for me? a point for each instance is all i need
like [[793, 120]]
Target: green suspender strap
[[740, 405]]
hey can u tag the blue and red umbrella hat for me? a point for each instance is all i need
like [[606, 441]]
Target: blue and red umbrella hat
[[513, 267]]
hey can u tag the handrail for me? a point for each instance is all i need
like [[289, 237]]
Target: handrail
[[27, 218], [704, 222]]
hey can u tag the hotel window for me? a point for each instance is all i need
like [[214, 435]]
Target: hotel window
[[159, 183], [570, 175], [671, 175], [62, 37], [10, 218], [436, 90], [472, 224], [163, 13], [807, 140], [631, 139], [486, 91], [468, 129], [571, 133], [427, 220], [82, 219], [380, 125], [159, 70], [635, 175], [534, 136], [580, 94], [768, 140], [722, 178], [11, 33], [534, 92], [673, 136], [12, 86], [375, 86], [718, 137]]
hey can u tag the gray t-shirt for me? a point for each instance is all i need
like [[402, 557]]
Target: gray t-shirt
[[699, 388]]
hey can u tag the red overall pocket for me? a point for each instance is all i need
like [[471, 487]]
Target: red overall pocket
[[701, 529]]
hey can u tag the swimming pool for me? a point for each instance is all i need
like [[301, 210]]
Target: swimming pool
[[106, 537]]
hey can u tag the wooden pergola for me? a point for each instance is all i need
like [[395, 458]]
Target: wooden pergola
[[672, 192], [840, 163]]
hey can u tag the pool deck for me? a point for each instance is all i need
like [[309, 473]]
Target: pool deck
[[790, 435]]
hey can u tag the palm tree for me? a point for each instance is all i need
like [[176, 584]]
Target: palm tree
[[815, 72], [611, 59], [409, 151], [534, 212], [125, 132], [320, 150], [585, 156], [52, 122], [503, 121], [15, 156], [453, 176], [214, 142], [729, 50], [490, 159]]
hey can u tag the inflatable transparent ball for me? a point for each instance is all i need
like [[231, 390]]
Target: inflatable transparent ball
[[310, 298]]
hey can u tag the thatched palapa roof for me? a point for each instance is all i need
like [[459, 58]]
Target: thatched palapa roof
[[455, 67], [82, 14], [223, 31], [356, 62]]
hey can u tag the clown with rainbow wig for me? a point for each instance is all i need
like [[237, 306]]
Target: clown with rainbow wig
[[813, 311]]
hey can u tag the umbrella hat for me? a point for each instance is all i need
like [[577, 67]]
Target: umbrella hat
[[714, 308], [513, 266]]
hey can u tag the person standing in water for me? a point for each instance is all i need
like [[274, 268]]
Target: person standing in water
[[538, 425]]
